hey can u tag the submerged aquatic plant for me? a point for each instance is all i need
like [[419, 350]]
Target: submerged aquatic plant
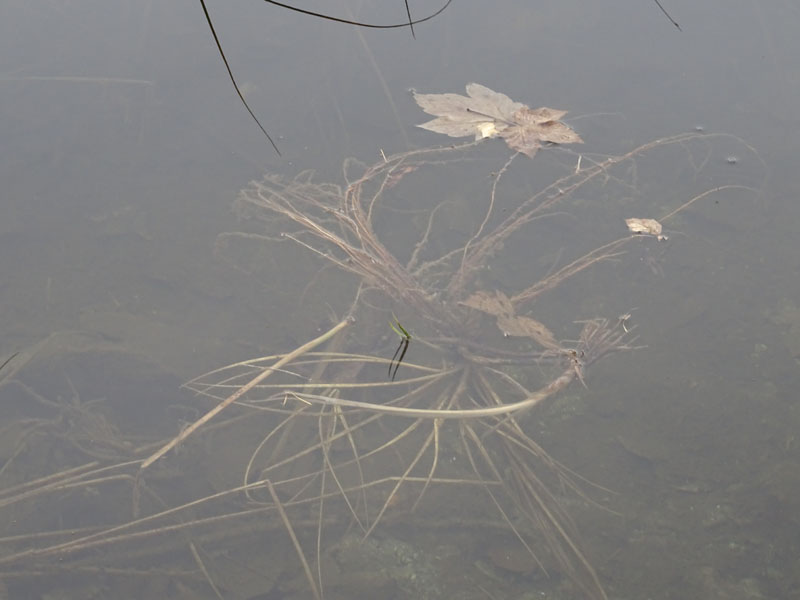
[[344, 446], [466, 395]]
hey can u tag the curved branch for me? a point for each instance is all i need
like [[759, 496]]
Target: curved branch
[[410, 23]]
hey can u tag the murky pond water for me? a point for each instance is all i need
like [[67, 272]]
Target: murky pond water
[[129, 268]]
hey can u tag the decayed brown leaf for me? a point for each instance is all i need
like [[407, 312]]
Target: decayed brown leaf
[[500, 306], [646, 226], [486, 113]]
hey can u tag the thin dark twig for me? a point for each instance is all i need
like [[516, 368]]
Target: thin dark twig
[[396, 352], [409, 23], [404, 344], [666, 14], [8, 360], [233, 81]]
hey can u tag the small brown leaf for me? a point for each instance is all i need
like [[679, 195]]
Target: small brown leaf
[[527, 327], [646, 226], [486, 113]]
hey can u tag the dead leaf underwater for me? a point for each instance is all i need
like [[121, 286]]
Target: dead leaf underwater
[[500, 306], [485, 113]]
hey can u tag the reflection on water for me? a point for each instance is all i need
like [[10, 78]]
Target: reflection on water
[[123, 149]]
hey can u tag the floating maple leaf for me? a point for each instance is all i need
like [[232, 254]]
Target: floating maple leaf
[[486, 113]]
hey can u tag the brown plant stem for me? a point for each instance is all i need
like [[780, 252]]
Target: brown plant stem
[[242, 391]]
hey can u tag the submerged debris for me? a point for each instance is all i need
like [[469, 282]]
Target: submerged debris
[[646, 226]]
